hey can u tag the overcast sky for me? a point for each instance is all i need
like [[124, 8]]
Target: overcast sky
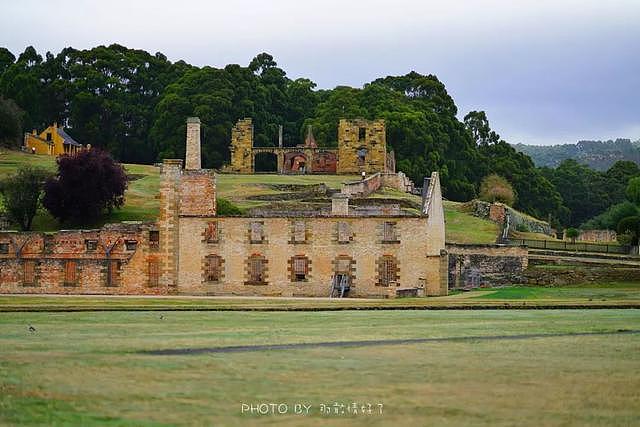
[[544, 71]]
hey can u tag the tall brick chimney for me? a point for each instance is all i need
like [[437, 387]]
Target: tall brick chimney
[[193, 160]]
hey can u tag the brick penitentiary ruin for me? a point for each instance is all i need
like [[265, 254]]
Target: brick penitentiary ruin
[[192, 251]]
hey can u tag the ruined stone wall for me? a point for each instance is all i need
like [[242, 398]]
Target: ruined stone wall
[[497, 212], [241, 147], [357, 135], [418, 260], [112, 260], [398, 181], [485, 265], [597, 236], [363, 187]]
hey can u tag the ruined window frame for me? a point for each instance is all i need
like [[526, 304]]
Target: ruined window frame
[[213, 275], [259, 225], [131, 245], [113, 273], [154, 239], [302, 261], [344, 233], [390, 232], [91, 245], [298, 232], [71, 272], [362, 133], [4, 248], [256, 270], [388, 270], [29, 275], [212, 232], [153, 273], [350, 270]]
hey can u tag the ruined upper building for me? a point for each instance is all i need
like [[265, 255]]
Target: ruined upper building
[[191, 250], [362, 147]]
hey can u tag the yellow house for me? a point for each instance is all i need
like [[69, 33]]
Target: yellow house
[[52, 141]]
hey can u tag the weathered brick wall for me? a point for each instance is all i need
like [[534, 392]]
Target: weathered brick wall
[[241, 146], [418, 259], [125, 245], [482, 265], [351, 139], [197, 193]]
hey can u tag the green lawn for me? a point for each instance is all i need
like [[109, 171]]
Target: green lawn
[[462, 227], [622, 294], [87, 369], [622, 291]]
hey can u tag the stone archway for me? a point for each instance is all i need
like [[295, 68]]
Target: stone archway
[[265, 162], [296, 162]]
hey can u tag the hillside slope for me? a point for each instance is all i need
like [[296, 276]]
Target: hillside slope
[[599, 155], [246, 192]]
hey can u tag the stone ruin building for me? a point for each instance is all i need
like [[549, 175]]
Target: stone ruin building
[[192, 251], [362, 147]]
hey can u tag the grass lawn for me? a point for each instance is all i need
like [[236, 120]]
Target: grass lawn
[[462, 227], [622, 294], [86, 368]]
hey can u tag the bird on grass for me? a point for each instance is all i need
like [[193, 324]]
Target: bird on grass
[[31, 328], [162, 317]]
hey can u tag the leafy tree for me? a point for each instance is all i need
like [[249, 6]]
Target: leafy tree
[[495, 188], [633, 190], [572, 233], [10, 123], [609, 219], [630, 226], [585, 192], [22, 194], [87, 184], [478, 125], [6, 59], [618, 176]]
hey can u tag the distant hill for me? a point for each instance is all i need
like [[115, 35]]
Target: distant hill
[[599, 155]]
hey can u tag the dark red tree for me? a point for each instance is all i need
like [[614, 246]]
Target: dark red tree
[[87, 184]]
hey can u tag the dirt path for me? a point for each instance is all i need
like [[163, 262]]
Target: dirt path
[[369, 343]]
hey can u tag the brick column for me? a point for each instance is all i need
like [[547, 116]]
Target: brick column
[[170, 175], [193, 158]]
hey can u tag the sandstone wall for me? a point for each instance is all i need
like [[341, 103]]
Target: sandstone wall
[[359, 134], [241, 147], [418, 259]]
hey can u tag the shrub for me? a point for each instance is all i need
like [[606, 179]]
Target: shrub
[[22, 193], [495, 188], [630, 226], [572, 233], [522, 227], [86, 185], [225, 208]]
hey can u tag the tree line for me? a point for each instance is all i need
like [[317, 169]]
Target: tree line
[[134, 104]]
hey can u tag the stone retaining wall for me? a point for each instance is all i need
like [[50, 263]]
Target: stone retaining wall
[[485, 265]]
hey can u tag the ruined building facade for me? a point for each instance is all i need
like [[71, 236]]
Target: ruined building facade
[[192, 251], [362, 147]]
